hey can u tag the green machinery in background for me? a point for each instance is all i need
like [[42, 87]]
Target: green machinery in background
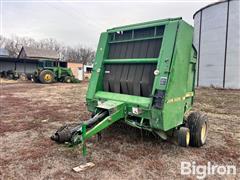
[[51, 71], [144, 76]]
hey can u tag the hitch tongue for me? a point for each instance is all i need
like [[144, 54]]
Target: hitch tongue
[[67, 133]]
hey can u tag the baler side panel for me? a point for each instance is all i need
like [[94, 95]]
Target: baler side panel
[[165, 57], [177, 88], [191, 77], [95, 83], [163, 66]]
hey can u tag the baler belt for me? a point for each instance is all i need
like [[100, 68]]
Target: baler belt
[[148, 48], [131, 79], [123, 78]]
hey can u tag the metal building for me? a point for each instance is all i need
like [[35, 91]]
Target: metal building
[[217, 40], [28, 60]]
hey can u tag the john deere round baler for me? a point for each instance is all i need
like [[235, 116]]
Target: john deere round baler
[[144, 76]]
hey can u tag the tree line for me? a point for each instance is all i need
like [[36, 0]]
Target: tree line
[[78, 54]]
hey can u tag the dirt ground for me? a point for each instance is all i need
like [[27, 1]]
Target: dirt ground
[[30, 113]]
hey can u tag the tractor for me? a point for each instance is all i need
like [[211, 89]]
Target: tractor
[[144, 76], [51, 71]]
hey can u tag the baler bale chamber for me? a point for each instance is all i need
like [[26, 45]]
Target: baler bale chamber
[[144, 75]]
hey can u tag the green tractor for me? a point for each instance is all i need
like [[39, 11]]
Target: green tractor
[[144, 76], [51, 71]]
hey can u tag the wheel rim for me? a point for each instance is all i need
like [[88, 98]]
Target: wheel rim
[[203, 132], [187, 138], [47, 77]]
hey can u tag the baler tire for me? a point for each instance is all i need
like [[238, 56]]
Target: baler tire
[[46, 77], [198, 125], [183, 137]]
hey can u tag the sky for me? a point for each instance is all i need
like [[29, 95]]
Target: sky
[[81, 22]]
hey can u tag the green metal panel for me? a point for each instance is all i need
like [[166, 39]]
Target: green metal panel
[[137, 39], [177, 86], [166, 52], [95, 83], [133, 100], [143, 60], [109, 105], [143, 25]]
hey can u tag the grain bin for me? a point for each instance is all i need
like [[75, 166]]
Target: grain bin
[[217, 40]]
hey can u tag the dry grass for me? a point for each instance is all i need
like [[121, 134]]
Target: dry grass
[[30, 113], [7, 81]]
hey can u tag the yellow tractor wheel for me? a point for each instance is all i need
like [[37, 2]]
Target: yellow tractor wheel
[[46, 77]]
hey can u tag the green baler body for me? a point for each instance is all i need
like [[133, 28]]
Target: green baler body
[[157, 78]]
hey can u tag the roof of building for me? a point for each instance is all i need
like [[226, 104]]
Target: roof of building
[[8, 59], [33, 53], [4, 52], [209, 5]]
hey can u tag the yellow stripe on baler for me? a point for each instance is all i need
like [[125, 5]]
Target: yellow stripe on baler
[[177, 99]]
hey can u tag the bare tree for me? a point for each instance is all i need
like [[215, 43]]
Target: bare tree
[[87, 55]]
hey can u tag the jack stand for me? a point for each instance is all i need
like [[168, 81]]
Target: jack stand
[[85, 165], [84, 148]]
